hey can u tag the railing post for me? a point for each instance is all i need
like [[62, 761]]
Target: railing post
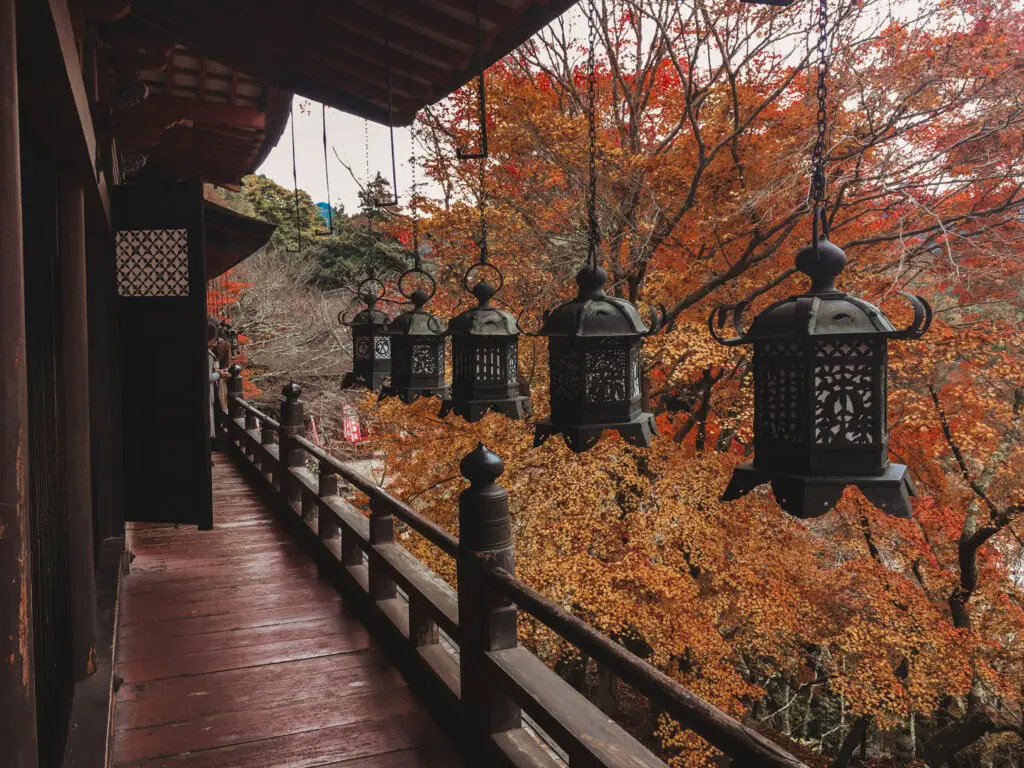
[[382, 531], [326, 528], [487, 621], [293, 422], [235, 389], [267, 464]]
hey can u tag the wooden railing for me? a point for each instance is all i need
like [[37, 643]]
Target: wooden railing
[[481, 686]]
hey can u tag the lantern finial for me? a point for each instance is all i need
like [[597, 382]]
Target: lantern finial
[[591, 280], [822, 262], [484, 291]]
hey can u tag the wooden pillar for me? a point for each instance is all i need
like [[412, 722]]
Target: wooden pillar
[[17, 677], [487, 621], [75, 396]]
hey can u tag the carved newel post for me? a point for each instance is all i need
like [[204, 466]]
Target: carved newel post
[[235, 411], [293, 423], [487, 621]]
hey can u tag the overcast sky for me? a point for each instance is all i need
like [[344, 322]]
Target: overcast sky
[[346, 135]]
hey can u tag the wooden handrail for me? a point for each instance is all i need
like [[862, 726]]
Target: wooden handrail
[[247, 406], [481, 689], [711, 723], [429, 530]]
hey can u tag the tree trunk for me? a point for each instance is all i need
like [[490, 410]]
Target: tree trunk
[[853, 740]]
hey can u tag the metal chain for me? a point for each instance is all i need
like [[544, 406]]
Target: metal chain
[[482, 205], [818, 179], [594, 233], [412, 169]]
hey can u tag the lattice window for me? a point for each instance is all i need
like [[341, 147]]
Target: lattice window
[[564, 367], [850, 349], [634, 371], [152, 262], [382, 347], [362, 347], [844, 404], [778, 408], [489, 368], [512, 363], [423, 360], [605, 376], [778, 348]]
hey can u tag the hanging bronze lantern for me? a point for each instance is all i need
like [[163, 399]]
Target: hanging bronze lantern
[[485, 357], [594, 367], [820, 378], [371, 344], [417, 347]]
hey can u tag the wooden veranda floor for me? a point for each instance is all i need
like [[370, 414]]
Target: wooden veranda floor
[[232, 653]]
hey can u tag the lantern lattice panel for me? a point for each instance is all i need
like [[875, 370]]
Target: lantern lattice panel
[[152, 262], [362, 347], [844, 404], [427, 359], [606, 370], [779, 383], [565, 386], [382, 347]]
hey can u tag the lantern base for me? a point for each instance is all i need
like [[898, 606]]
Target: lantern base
[[411, 394], [473, 410], [809, 496], [355, 380], [583, 437]]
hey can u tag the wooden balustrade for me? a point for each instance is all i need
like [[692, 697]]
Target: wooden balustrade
[[482, 681]]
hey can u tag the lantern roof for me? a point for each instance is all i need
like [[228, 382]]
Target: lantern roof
[[370, 316], [825, 311], [417, 321], [593, 313], [484, 319]]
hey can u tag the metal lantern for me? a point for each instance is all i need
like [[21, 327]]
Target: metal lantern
[[417, 348], [594, 365], [820, 370], [371, 344], [485, 359]]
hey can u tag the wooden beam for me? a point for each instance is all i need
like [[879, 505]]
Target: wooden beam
[[75, 407], [17, 677]]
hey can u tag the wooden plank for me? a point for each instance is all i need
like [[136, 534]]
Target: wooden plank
[[366, 744], [160, 646], [183, 665], [210, 732], [259, 618], [147, 705]]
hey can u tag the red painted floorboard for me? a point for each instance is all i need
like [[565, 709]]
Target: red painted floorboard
[[232, 653]]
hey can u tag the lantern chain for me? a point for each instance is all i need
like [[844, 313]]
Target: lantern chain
[[818, 179], [594, 232], [412, 171]]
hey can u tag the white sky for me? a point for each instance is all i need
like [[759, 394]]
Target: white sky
[[345, 134]]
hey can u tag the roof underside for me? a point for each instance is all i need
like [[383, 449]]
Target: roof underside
[[333, 51], [201, 116]]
